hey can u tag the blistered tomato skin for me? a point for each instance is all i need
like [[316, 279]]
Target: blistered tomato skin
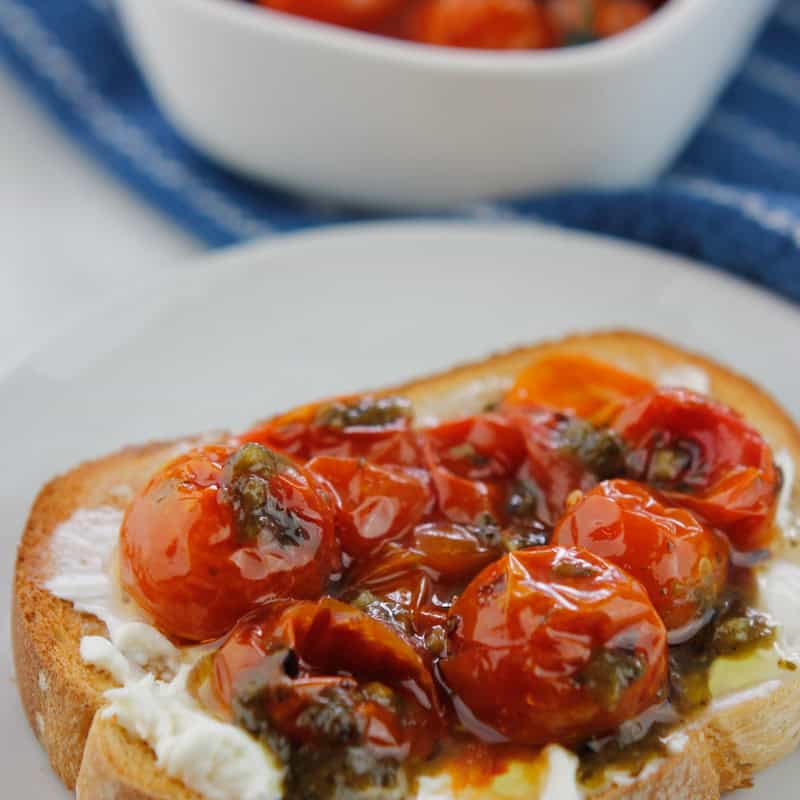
[[549, 465], [413, 581], [702, 455], [325, 673], [195, 561], [682, 563], [467, 460], [376, 428], [552, 645], [477, 448], [576, 384], [375, 504]]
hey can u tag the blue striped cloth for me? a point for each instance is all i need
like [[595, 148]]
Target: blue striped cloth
[[732, 198]]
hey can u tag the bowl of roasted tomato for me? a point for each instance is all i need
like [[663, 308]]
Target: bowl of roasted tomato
[[435, 103]]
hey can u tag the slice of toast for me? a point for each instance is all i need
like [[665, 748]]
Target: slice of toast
[[727, 743]]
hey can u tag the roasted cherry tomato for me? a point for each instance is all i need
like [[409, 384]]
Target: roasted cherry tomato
[[703, 455], [577, 385], [375, 504], [462, 500], [327, 674], [218, 531], [375, 428], [553, 645], [478, 448], [467, 459], [363, 14], [486, 24], [564, 454], [576, 21], [615, 16], [410, 584], [682, 563]]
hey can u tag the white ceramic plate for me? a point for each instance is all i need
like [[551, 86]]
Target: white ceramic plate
[[262, 328]]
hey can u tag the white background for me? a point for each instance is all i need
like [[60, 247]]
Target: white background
[[70, 235]]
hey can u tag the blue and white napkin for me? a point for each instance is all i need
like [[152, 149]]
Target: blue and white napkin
[[732, 198]]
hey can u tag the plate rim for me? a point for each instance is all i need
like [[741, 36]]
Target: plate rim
[[249, 253]]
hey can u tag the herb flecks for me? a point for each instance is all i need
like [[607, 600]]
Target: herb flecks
[[371, 412], [742, 633], [574, 568], [523, 499], [735, 630], [393, 614], [328, 758], [246, 487], [610, 673], [344, 773], [601, 450]]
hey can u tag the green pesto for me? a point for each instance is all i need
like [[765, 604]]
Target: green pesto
[[736, 630], [523, 499], [620, 752], [520, 536], [343, 773], [258, 515], [333, 764], [372, 412], [667, 464], [610, 673], [601, 450]]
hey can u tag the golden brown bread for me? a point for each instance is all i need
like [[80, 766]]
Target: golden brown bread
[[728, 743]]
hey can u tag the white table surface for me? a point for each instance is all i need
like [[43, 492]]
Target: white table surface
[[70, 234]]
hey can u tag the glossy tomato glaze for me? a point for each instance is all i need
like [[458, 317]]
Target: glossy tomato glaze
[[479, 586], [682, 563], [485, 24], [185, 563]]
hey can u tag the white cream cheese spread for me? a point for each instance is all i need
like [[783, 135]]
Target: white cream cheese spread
[[217, 759]]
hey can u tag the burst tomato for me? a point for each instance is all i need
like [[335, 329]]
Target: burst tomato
[[551, 466], [468, 459], [703, 455], [326, 673]]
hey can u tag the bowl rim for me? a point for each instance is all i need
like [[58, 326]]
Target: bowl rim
[[668, 20]]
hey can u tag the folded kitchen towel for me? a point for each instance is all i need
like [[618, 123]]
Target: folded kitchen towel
[[732, 198]]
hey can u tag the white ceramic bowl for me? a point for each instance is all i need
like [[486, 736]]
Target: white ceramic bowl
[[351, 116]]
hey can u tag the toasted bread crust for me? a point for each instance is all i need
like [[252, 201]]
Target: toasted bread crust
[[728, 742], [59, 692]]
